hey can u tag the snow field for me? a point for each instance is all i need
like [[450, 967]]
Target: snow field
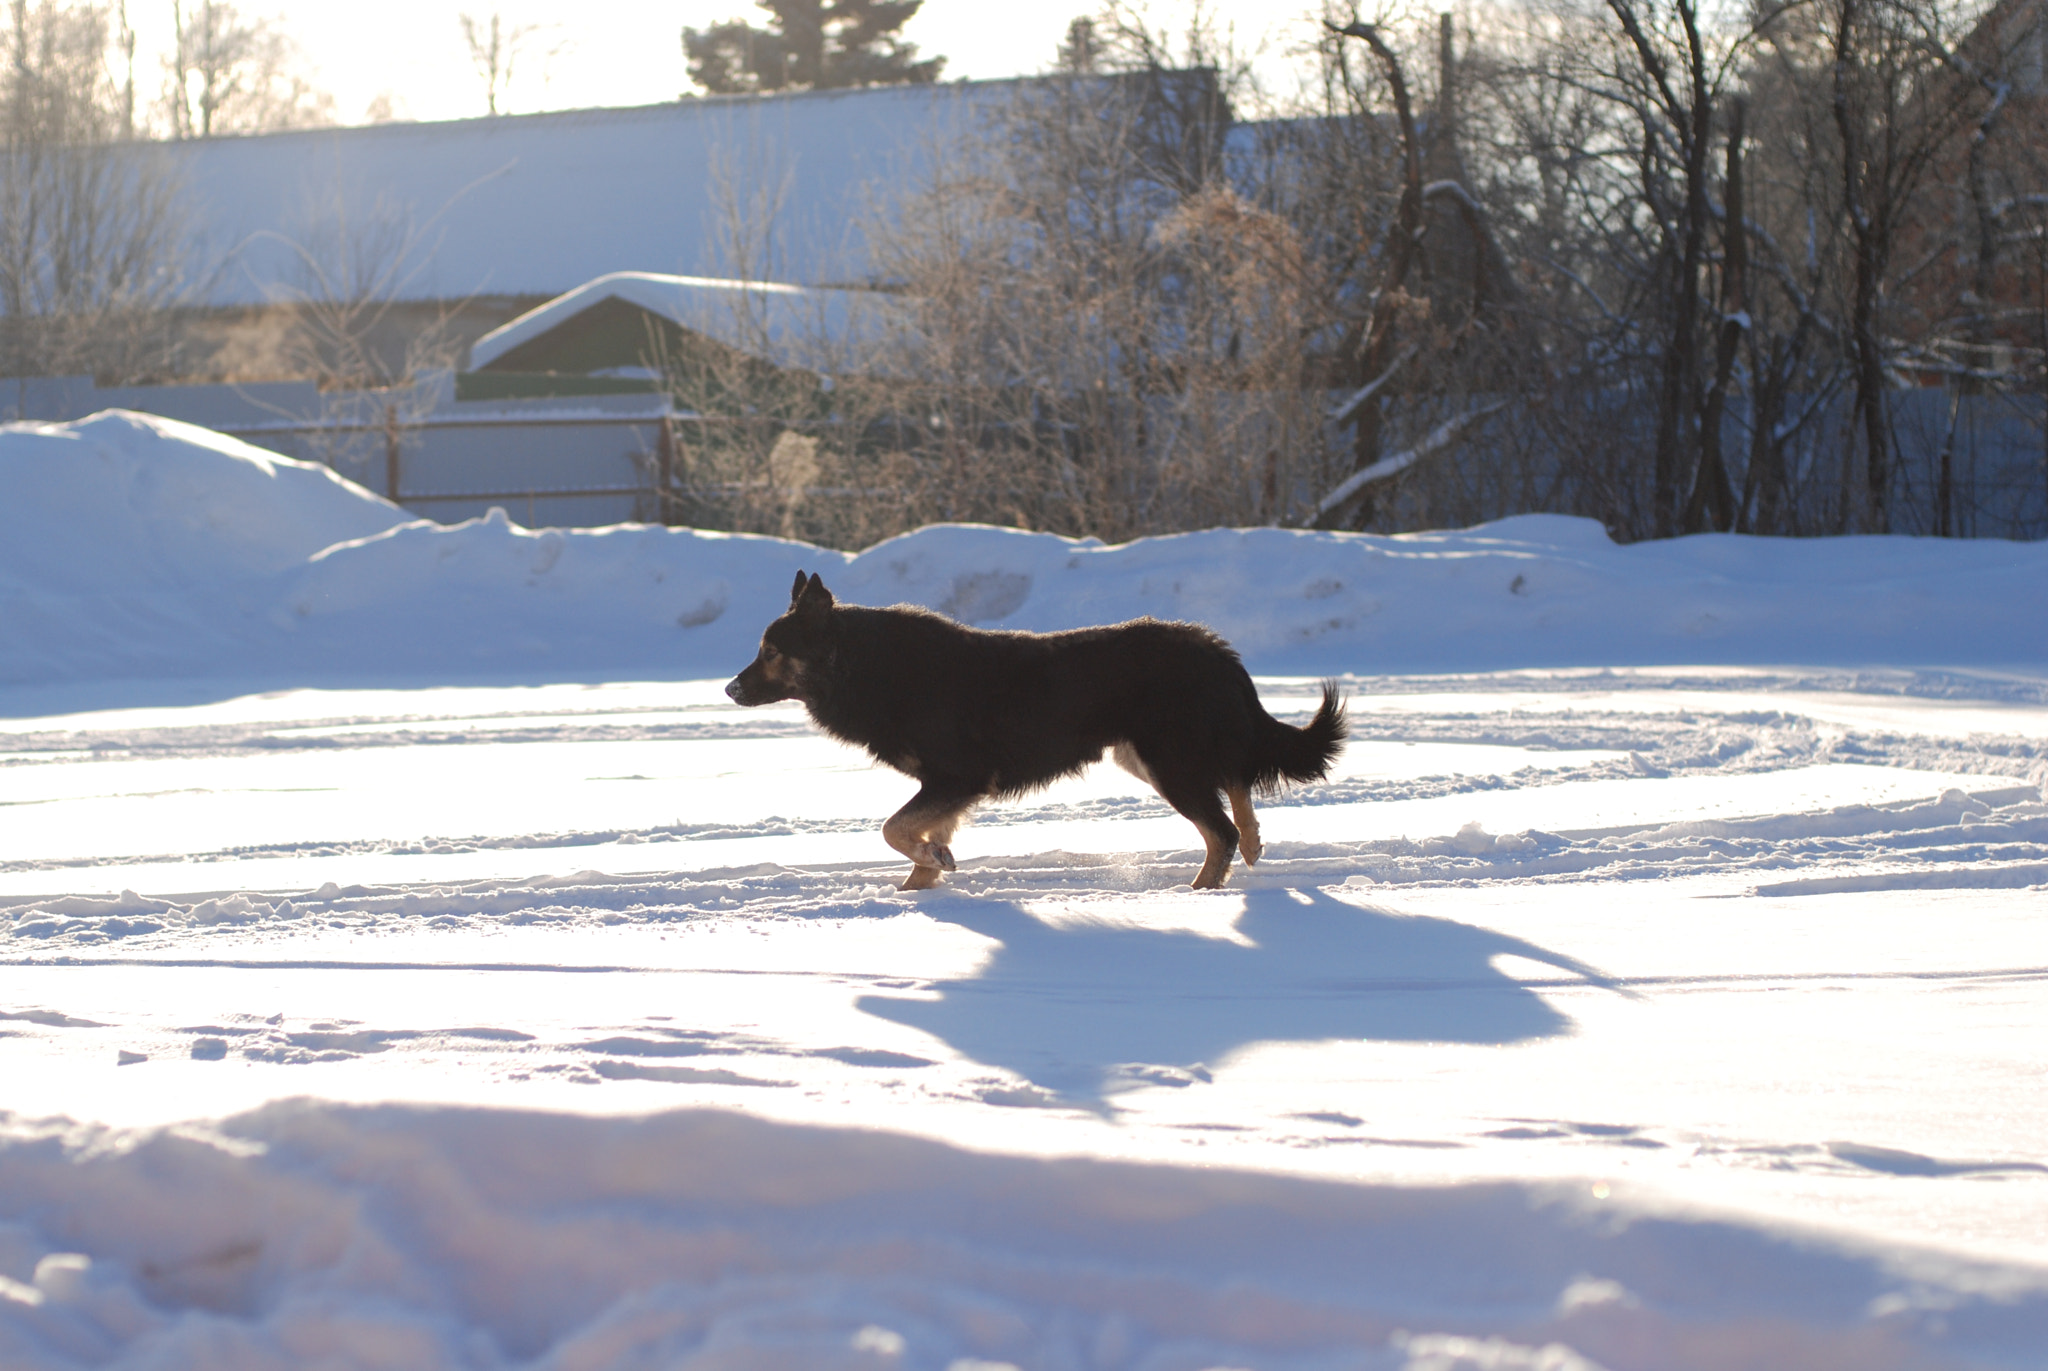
[[1470, 1023], [1592, 1015]]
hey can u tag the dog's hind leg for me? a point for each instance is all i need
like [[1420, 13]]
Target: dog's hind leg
[[1198, 803], [922, 829], [1247, 823]]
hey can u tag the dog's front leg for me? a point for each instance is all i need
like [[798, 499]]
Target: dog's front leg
[[922, 829]]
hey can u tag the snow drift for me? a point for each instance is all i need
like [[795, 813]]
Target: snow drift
[[139, 547], [128, 542], [128, 502], [308, 1234]]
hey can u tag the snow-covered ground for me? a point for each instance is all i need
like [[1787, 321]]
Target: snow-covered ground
[[1660, 981]]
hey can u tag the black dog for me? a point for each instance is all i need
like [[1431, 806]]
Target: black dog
[[973, 714]]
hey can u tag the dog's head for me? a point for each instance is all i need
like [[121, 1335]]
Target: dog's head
[[789, 648]]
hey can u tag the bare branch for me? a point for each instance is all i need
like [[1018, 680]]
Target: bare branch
[[1438, 438], [1348, 410]]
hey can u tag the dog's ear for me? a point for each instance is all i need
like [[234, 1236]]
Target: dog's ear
[[796, 592], [812, 597]]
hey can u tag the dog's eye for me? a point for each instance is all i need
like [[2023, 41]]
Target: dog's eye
[[768, 652]]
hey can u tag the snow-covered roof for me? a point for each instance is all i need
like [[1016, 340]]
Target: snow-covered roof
[[536, 204], [785, 324]]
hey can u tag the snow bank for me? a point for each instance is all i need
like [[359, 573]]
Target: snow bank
[[127, 502], [129, 542], [310, 1234], [1536, 590], [138, 547]]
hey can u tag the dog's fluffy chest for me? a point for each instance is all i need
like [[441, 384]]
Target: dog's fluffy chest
[[898, 759], [896, 753]]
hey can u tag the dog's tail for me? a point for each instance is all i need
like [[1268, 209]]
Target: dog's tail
[[1282, 752]]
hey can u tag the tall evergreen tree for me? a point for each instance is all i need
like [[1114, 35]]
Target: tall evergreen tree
[[810, 45], [1077, 52]]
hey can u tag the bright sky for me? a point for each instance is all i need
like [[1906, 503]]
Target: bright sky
[[629, 52]]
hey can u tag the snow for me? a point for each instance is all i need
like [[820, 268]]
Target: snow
[[413, 959], [170, 506], [746, 315], [136, 553]]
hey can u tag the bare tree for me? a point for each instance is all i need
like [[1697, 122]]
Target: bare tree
[[1992, 80], [1437, 295], [90, 251], [354, 264], [1089, 325], [495, 49], [124, 42], [381, 358], [792, 433], [1882, 111], [1100, 332], [1649, 83], [229, 74]]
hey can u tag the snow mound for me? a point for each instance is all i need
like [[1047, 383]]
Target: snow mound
[[143, 548], [133, 545], [487, 595], [125, 503], [1533, 591], [317, 1234]]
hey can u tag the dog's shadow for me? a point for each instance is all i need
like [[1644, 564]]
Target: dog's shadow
[[1085, 1009]]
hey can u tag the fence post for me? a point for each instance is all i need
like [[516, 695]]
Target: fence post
[[391, 453], [664, 471]]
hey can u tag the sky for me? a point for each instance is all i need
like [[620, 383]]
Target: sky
[[410, 54]]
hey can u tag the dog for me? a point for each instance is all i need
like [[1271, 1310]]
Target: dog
[[972, 714]]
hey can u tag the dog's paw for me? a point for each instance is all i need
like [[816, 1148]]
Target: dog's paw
[[920, 878], [935, 855]]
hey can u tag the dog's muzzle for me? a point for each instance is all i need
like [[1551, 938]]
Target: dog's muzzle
[[753, 687]]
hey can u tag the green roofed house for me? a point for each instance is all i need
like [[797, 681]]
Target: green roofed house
[[640, 332]]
